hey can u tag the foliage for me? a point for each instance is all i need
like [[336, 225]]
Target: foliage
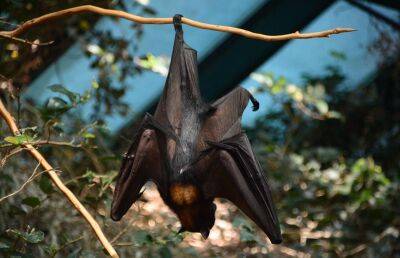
[[338, 196]]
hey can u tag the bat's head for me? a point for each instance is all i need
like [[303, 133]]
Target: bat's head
[[198, 218]]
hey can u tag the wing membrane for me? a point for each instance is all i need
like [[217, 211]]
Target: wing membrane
[[239, 178]]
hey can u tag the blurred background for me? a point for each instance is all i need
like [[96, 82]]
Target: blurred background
[[327, 132]]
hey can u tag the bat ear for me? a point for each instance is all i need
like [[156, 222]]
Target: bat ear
[[205, 233], [181, 230]]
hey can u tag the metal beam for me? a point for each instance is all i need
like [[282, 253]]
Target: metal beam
[[235, 58], [395, 4], [362, 6]]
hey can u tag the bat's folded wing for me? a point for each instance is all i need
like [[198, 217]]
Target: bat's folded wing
[[142, 163], [237, 176]]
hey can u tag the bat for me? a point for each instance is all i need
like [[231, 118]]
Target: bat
[[195, 152]]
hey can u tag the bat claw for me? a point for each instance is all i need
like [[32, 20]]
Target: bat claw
[[256, 104]]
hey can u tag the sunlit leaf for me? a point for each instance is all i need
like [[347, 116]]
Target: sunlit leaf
[[88, 135], [322, 106], [19, 139]]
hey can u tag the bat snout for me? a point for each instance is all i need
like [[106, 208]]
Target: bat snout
[[115, 216], [276, 240], [116, 213]]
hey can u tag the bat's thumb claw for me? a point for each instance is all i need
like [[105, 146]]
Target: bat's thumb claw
[[256, 104]]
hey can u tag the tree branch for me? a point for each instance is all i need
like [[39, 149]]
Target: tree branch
[[135, 18], [59, 184]]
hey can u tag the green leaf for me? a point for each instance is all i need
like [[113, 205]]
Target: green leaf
[[88, 135], [164, 252], [72, 96], [322, 106], [338, 55], [4, 246], [11, 139], [143, 238], [19, 139], [45, 185], [33, 237], [57, 105], [334, 114], [149, 11], [31, 201], [95, 84]]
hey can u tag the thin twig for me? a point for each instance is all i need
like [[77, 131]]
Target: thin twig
[[8, 155], [300, 105], [70, 243], [46, 142], [26, 41], [68, 144], [362, 247], [123, 231], [135, 18], [289, 251], [58, 183], [30, 179], [8, 23], [3, 77]]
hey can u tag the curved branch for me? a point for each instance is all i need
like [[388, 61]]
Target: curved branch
[[59, 184], [139, 19]]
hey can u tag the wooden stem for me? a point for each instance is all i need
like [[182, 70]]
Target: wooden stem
[[139, 19], [59, 184]]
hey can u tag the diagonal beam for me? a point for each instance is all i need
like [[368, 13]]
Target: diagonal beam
[[395, 4], [362, 6], [235, 58]]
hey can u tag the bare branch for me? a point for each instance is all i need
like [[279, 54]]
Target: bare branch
[[30, 179], [300, 105], [123, 231], [58, 183], [47, 142], [143, 20], [55, 143], [26, 41], [8, 155]]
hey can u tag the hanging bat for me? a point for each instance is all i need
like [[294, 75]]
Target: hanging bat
[[195, 152]]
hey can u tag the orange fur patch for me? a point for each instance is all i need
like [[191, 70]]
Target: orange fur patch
[[183, 194], [186, 217]]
